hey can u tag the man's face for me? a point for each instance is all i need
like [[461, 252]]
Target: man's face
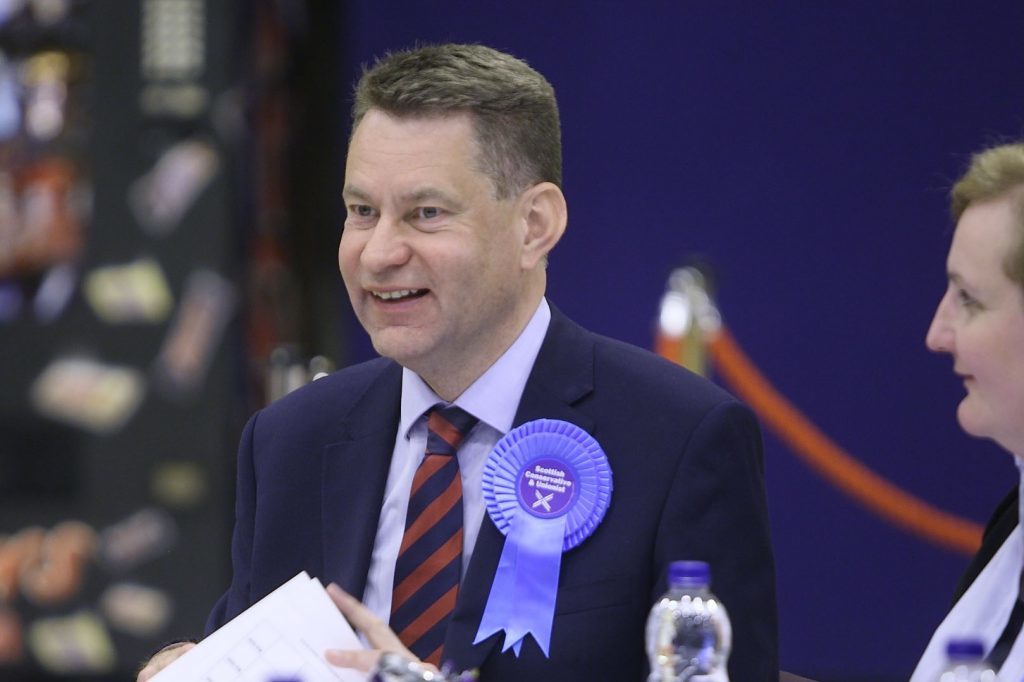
[[431, 260]]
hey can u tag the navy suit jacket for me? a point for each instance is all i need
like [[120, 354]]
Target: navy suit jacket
[[687, 467]]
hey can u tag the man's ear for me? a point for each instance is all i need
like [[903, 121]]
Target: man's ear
[[545, 216]]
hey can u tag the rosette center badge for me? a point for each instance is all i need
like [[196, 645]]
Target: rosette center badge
[[547, 485], [547, 488]]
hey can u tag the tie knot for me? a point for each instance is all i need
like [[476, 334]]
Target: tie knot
[[446, 427]]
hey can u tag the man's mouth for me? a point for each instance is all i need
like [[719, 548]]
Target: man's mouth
[[398, 294]]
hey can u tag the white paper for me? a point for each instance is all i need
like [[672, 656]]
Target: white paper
[[282, 636]]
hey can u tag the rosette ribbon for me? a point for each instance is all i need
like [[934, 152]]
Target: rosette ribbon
[[547, 485]]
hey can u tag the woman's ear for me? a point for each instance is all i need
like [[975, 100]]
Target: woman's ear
[[545, 216]]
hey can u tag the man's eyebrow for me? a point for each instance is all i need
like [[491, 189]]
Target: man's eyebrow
[[418, 196], [353, 192], [428, 194]]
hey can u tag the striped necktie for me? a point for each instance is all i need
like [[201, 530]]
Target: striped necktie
[[429, 563]]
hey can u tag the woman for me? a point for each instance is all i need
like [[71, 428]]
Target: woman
[[980, 323]]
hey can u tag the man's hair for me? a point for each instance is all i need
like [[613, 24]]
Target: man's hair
[[513, 107], [995, 173]]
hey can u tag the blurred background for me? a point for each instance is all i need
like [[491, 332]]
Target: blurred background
[[169, 215]]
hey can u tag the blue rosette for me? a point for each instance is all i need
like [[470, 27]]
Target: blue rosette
[[547, 486]]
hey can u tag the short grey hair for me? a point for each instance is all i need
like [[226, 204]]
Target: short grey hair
[[513, 107]]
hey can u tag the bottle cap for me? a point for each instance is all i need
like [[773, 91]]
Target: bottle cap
[[965, 649], [689, 574]]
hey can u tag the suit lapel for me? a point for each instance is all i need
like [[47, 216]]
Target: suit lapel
[[561, 376], [355, 471]]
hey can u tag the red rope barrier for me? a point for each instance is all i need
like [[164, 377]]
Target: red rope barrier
[[824, 456]]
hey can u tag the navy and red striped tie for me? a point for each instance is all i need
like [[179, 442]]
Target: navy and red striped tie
[[429, 563]]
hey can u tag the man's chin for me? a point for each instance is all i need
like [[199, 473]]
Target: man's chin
[[403, 350]]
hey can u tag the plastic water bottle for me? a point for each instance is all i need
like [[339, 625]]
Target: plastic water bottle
[[965, 662], [689, 635]]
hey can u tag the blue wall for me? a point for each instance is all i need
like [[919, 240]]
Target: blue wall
[[804, 149]]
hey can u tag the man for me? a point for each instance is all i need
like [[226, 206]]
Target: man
[[453, 202]]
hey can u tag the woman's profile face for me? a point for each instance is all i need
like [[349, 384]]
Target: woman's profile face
[[980, 323]]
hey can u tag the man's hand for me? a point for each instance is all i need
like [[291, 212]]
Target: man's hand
[[163, 658], [376, 632]]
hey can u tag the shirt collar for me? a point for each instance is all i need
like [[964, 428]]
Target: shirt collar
[[494, 397]]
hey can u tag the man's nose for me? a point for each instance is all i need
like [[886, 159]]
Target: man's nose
[[387, 246]]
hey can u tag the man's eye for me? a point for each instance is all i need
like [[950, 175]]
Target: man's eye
[[361, 210], [428, 212]]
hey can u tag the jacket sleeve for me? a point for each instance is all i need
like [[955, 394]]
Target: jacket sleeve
[[237, 598]]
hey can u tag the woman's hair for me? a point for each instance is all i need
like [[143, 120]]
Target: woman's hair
[[995, 173]]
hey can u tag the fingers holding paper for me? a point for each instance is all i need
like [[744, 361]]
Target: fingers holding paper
[[162, 659], [377, 633]]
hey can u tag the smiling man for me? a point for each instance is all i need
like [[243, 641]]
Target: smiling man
[[442, 271], [372, 478]]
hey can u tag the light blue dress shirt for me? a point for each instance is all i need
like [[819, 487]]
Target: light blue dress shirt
[[493, 399]]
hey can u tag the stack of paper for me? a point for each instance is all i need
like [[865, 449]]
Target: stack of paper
[[281, 637]]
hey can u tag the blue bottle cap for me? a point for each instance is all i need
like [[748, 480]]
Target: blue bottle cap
[[689, 574], [965, 649]]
